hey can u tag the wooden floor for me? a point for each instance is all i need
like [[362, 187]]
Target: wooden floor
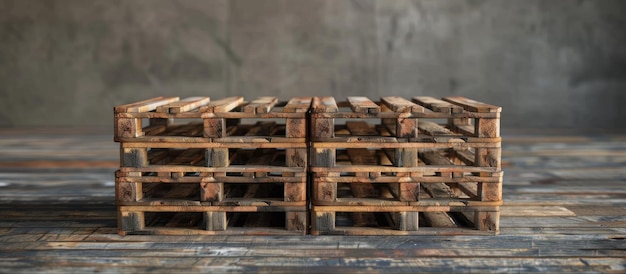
[[564, 211]]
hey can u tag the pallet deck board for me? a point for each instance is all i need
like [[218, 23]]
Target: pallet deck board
[[184, 105], [261, 105]]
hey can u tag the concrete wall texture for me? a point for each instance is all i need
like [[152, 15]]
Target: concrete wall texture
[[549, 64]]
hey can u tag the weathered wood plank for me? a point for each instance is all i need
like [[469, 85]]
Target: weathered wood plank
[[399, 104], [433, 129], [360, 128], [298, 105], [145, 105], [361, 104], [437, 105], [184, 105], [222, 105], [261, 105], [472, 105], [535, 211]]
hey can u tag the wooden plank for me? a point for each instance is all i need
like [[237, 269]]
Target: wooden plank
[[184, 105], [261, 105], [535, 211], [435, 158], [437, 105], [472, 105], [439, 219], [145, 105], [324, 104], [298, 105], [222, 105], [399, 104], [362, 104], [434, 129]]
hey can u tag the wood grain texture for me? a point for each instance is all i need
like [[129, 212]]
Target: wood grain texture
[[184, 105]]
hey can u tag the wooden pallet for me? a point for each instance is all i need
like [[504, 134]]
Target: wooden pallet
[[404, 220], [212, 220], [174, 180], [201, 120], [407, 157], [221, 158], [439, 191], [464, 120], [363, 180]]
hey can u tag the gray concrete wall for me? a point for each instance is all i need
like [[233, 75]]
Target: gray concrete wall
[[555, 64]]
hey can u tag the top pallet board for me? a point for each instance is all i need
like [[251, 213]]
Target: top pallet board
[[202, 119]]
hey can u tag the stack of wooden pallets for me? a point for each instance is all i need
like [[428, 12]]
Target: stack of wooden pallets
[[229, 166], [202, 166], [424, 166]]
